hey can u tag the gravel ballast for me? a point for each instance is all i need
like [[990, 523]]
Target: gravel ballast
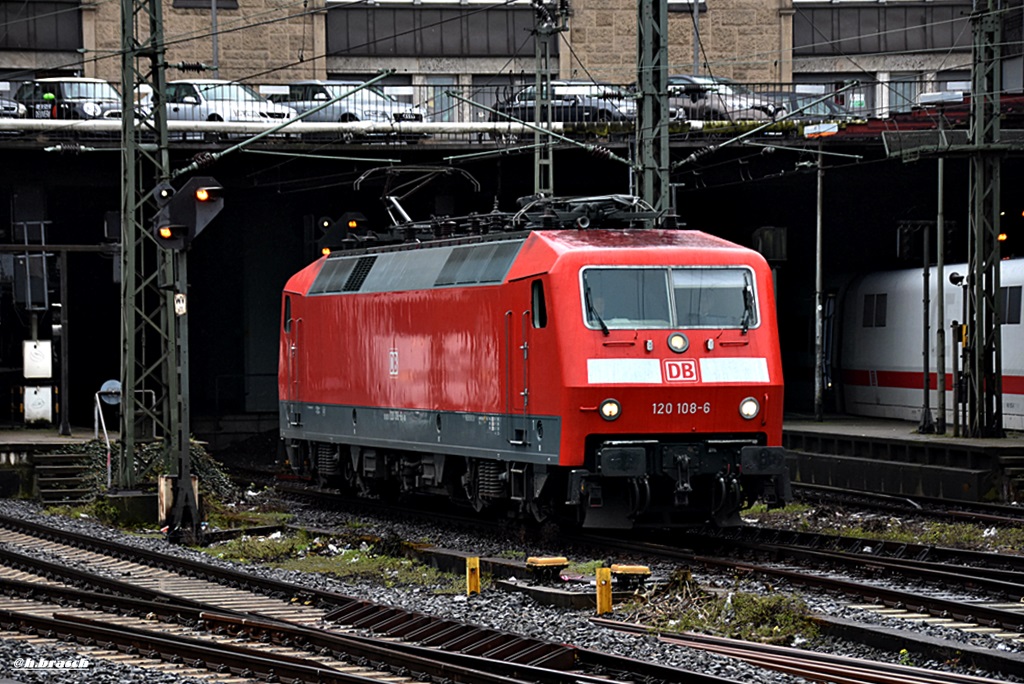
[[506, 611]]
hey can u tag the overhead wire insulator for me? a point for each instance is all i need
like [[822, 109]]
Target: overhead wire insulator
[[190, 66], [601, 152], [203, 159], [66, 148]]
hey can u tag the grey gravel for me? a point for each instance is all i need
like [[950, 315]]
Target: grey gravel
[[515, 612]]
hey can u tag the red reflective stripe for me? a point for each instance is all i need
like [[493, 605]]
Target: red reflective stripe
[[1012, 384]]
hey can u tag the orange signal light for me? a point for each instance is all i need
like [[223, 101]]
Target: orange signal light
[[165, 232], [326, 251], [202, 194], [1002, 237], [352, 223]]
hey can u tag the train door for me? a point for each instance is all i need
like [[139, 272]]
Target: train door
[[290, 390], [517, 366]]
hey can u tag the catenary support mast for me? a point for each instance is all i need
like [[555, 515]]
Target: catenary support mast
[[154, 368], [652, 110], [985, 368]]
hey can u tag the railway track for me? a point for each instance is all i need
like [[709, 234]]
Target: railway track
[[814, 667], [150, 611], [924, 507], [876, 577]]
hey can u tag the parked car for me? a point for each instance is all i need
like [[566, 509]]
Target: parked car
[[368, 104], [219, 100], [69, 98], [713, 98], [11, 109], [826, 110], [572, 101]]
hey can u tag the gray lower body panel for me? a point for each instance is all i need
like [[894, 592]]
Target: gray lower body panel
[[526, 439]]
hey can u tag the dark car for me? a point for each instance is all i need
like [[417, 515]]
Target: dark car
[[69, 98], [826, 110], [713, 98], [573, 101]]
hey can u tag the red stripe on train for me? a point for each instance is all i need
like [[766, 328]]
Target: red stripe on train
[[1012, 384]]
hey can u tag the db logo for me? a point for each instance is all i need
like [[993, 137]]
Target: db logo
[[681, 371]]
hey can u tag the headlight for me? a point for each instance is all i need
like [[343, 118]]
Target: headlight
[[610, 409], [91, 109], [749, 408], [678, 342]]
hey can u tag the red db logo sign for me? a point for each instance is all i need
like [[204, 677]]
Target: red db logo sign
[[681, 371]]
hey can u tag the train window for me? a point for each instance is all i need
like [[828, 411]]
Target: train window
[[1011, 304], [714, 298], [287, 313], [625, 298], [486, 263], [540, 309], [332, 276], [874, 310]]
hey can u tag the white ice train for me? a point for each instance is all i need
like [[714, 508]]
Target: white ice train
[[878, 361]]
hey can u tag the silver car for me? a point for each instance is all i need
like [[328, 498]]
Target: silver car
[[713, 98], [10, 109], [367, 104], [217, 100]]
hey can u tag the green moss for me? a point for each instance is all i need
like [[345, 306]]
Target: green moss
[[344, 557], [585, 568], [681, 605], [952, 535]]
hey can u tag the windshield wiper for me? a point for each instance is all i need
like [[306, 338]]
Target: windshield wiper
[[748, 304], [591, 311]]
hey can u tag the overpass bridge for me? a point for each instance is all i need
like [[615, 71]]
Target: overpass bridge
[[69, 172]]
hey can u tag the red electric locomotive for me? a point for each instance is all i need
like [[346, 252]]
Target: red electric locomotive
[[618, 376]]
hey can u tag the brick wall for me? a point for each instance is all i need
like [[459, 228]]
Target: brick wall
[[281, 42], [742, 39]]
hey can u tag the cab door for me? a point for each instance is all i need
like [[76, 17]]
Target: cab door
[[291, 363], [517, 355]]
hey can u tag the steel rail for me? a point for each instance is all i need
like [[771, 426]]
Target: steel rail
[[809, 664], [459, 640], [384, 655], [1006, 582], [971, 613], [246, 662], [997, 565]]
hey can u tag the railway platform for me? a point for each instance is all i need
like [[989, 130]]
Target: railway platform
[[892, 457], [31, 464]]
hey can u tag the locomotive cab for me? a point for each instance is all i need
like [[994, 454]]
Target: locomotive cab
[[679, 387]]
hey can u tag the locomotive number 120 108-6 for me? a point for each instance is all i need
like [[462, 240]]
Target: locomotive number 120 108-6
[[668, 408]]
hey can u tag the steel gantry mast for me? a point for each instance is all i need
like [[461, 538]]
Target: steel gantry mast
[[985, 368], [550, 19], [652, 110], [154, 370]]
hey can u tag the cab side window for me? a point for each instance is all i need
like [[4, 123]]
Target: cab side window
[[539, 307]]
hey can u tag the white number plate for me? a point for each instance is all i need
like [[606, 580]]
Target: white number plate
[[682, 408]]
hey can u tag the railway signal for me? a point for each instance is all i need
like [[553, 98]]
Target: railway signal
[[184, 213], [338, 234]]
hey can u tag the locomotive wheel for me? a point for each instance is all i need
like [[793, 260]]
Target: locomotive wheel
[[353, 480], [540, 511], [471, 486]]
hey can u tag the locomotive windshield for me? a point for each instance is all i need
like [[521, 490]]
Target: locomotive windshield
[[676, 297]]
